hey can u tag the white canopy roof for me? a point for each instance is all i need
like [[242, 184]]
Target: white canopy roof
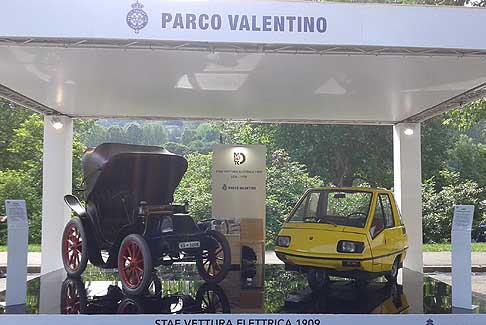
[[370, 64]]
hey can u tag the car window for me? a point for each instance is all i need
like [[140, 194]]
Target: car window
[[378, 223], [307, 208], [387, 210], [337, 207], [311, 211]]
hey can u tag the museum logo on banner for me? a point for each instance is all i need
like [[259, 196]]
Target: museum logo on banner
[[137, 19]]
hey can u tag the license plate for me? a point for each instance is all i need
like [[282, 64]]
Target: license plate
[[189, 244]]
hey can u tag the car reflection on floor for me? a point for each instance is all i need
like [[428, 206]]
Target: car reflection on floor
[[209, 299], [346, 297]]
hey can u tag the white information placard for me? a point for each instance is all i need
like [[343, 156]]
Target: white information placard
[[17, 247], [238, 181], [461, 256], [16, 213], [463, 217], [239, 190]]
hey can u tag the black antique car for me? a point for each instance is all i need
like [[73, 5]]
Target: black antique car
[[130, 217]]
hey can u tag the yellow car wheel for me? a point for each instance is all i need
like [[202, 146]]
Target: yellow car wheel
[[318, 279]]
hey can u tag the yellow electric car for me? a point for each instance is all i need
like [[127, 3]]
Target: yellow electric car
[[347, 232]]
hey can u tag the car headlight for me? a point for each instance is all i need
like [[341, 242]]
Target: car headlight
[[347, 246], [283, 241]]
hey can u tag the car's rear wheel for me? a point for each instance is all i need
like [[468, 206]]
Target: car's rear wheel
[[74, 248], [214, 264], [392, 275], [135, 264], [318, 279]]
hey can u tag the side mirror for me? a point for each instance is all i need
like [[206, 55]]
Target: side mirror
[[75, 205]]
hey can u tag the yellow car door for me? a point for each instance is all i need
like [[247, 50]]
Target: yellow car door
[[392, 232], [377, 235]]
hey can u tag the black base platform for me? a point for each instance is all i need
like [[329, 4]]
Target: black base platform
[[264, 289]]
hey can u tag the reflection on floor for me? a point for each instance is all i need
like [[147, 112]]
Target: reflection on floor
[[269, 289]]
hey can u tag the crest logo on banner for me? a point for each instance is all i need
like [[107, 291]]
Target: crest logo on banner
[[137, 18], [239, 158]]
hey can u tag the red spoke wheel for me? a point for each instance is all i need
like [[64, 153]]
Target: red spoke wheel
[[135, 264], [73, 296], [74, 248], [214, 264]]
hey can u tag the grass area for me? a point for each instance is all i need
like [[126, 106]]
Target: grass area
[[475, 247], [32, 248]]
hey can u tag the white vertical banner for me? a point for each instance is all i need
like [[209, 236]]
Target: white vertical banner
[[461, 256], [17, 248], [239, 190]]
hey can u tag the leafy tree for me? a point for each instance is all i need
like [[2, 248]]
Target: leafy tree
[[207, 132], [27, 146], [10, 116], [464, 118], [438, 205], [286, 182], [195, 187], [116, 134], [133, 133], [188, 136], [154, 134], [468, 159], [340, 154], [437, 140], [19, 185], [93, 135]]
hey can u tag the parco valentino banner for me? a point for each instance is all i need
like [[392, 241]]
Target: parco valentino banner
[[260, 22]]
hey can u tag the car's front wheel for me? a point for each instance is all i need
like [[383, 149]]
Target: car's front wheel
[[318, 279]]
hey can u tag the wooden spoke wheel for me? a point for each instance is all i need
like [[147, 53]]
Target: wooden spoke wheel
[[135, 264], [74, 248], [213, 265]]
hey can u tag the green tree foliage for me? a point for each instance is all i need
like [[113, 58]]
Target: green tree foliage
[[340, 154], [287, 180], [468, 159], [133, 133], [18, 185], [466, 117], [195, 187], [154, 134], [437, 139], [26, 145], [10, 118], [116, 134], [438, 205], [21, 177]]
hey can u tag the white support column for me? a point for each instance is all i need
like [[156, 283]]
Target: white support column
[[408, 188], [57, 182]]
